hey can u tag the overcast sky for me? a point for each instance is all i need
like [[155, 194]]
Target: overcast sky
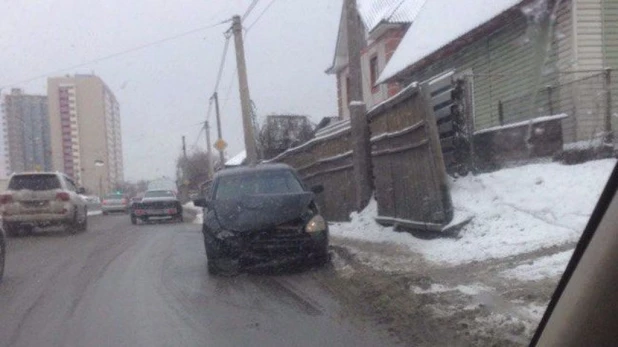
[[163, 90]]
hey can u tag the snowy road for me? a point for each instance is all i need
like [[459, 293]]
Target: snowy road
[[147, 285]]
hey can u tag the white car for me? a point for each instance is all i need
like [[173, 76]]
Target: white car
[[42, 199]]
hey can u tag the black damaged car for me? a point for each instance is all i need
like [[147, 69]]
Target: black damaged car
[[261, 214]]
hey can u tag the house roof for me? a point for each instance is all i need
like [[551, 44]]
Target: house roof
[[238, 159], [439, 23], [373, 13]]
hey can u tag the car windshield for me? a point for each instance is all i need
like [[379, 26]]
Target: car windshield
[[34, 182], [159, 194], [237, 186]]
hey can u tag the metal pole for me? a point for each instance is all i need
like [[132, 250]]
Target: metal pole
[[184, 189], [221, 155], [184, 148], [609, 137], [211, 169], [358, 121], [243, 85]]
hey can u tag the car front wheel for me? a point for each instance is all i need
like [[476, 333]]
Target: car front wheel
[[74, 225]]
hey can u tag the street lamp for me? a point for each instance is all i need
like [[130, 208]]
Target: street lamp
[[99, 163]]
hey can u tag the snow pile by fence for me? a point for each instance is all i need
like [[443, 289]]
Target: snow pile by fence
[[549, 266], [191, 213], [515, 211]]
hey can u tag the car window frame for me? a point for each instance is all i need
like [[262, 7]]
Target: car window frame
[[70, 185]]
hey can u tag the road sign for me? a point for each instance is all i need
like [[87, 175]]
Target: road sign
[[220, 145]]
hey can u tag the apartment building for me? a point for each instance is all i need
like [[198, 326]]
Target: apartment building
[[86, 138], [26, 132]]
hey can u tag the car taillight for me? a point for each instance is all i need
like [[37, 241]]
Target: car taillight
[[63, 196], [6, 199]]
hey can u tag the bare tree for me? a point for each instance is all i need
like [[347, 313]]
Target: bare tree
[[193, 170], [281, 132]]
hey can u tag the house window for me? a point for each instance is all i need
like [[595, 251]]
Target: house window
[[373, 71]]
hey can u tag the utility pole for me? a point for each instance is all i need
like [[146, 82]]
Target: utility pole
[[211, 169], [184, 189], [221, 155], [360, 127], [243, 85], [184, 148]]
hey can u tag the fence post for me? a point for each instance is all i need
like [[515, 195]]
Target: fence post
[[609, 137], [438, 159], [549, 99], [500, 112]]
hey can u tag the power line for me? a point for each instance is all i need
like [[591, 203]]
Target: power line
[[198, 137], [222, 63], [229, 89], [249, 9], [117, 54], [260, 16]]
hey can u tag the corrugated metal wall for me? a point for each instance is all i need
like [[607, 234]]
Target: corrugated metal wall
[[502, 64]]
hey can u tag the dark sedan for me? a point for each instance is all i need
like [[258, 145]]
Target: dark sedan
[[155, 205], [261, 213]]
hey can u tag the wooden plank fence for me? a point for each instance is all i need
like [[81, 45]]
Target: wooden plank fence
[[408, 170], [408, 167]]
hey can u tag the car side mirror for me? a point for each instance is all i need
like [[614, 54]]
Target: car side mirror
[[317, 189], [202, 202], [81, 190]]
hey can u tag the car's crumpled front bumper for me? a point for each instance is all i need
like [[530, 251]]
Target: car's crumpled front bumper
[[266, 245]]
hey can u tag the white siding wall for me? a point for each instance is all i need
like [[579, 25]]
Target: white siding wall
[[588, 52], [588, 34], [345, 111], [380, 93]]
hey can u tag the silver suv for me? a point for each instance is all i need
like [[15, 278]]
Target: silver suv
[[42, 199]]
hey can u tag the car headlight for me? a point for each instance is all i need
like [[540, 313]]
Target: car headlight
[[316, 224]]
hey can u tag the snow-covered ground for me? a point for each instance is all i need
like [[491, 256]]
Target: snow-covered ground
[[546, 267], [493, 281], [516, 210], [193, 214]]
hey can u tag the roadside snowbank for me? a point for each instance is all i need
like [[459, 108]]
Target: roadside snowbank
[[192, 213], [515, 211], [546, 267]]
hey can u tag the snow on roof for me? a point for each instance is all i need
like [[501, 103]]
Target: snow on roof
[[374, 12], [407, 11], [438, 23], [238, 159]]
